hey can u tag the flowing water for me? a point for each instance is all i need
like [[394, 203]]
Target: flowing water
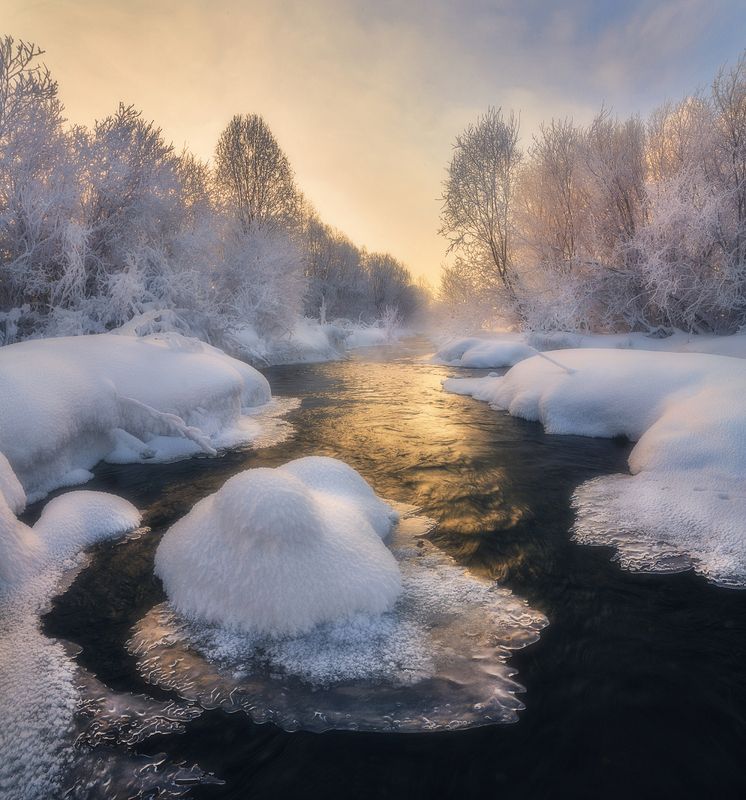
[[636, 689]]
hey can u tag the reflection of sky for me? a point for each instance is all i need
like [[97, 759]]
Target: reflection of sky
[[366, 96]]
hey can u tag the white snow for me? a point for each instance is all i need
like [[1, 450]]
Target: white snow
[[279, 551], [497, 350], [38, 691], [372, 336], [67, 403], [684, 502]]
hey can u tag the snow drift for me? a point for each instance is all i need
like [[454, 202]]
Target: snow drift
[[67, 403], [476, 352], [279, 551], [497, 350], [683, 505]]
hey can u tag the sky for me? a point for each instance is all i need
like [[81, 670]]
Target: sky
[[367, 96]]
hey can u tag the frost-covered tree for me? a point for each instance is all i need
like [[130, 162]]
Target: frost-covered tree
[[478, 199], [111, 226], [37, 182], [729, 101], [552, 196], [337, 275], [260, 280], [253, 176]]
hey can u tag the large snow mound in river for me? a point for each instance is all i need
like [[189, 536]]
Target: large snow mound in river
[[67, 403], [279, 551], [684, 502]]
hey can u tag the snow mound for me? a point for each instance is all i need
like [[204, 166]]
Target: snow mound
[[67, 525], [76, 520], [334, 482], [437, 660], [499, 350], [683, 505], [67, 403], [272, 553]]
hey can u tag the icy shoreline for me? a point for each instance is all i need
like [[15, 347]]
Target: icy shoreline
[[68, 403], [497, 350], [683, 504]]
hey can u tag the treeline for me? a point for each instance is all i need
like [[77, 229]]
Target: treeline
[[622, 224], [100, 225]]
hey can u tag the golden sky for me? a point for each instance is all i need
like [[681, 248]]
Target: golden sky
[[366, 96]]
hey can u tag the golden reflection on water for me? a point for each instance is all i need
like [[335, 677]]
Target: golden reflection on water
[[435, 443]]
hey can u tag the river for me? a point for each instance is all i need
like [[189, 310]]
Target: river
[[635, 689]]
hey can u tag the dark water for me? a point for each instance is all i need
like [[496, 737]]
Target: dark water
[[636, 689]]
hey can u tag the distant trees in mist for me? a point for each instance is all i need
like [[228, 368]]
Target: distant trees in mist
[[615, 225], [100, 225]]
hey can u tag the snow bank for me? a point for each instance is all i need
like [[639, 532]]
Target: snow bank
[[11, 490], [677, 342], [307, 342], [497, 350], [500, 350], [67, 403], [372, 336], [278, 551], [684, 502], [38, 688]]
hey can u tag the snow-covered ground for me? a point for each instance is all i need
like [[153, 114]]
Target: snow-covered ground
[[684, 503], [496, 350], [67, 403], [38, 690]]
